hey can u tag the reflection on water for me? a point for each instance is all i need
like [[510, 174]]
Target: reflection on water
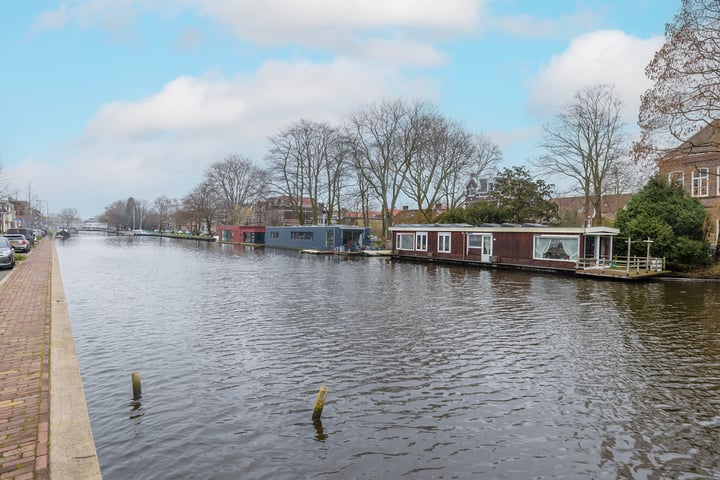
[[320, 434], [434, 371]]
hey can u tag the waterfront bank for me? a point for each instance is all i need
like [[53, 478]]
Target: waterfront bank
[[44, 427]]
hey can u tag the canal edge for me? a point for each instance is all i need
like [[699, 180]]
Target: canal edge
[[72, 453]]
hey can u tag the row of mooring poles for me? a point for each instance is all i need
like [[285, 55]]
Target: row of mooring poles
[[317, 411]]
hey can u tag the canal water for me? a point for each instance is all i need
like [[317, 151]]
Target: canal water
[[434, 372]]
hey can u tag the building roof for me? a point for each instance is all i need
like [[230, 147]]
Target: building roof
[[707, 140]]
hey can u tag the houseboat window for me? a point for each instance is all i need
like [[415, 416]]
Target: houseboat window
[[405, 241], [301, 235], [330, 238], [274, 234], [421, 241], [678, 177], [556, 247], [700, 182], [444, 242]]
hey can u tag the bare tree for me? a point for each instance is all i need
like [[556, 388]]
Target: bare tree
[[586, 142], [477, 156], [385, 140], [115, 215], [487, 156], [165, 209], [4, 184], [68, 216], [338, 163], [685, 97], [359, 198], [238, 183], [445, 161], [308, 162], [202, 205]]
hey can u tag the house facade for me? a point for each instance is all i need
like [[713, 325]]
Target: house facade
[[571, 210], [279, 211], [477, 189], [7, 216], [695, 165]]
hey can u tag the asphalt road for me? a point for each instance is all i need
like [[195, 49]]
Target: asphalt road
[[6, 272], [3, 273]]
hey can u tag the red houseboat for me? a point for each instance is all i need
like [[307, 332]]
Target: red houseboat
[[241, 234], [585, 250]]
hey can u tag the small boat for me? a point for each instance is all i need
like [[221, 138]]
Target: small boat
[[377, 253], [63, 234]]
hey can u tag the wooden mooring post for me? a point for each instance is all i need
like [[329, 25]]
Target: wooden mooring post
[[136, 386], [319, 403]]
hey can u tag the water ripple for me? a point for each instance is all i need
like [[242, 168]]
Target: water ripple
[[434, 371]]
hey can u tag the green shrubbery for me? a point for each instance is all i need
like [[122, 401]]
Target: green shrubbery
[[674, 221]]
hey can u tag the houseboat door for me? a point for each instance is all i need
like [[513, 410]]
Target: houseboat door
[[486, 247], [482, 242]]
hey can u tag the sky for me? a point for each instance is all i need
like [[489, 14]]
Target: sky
[[101, 100]]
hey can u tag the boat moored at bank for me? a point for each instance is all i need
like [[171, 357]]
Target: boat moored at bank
[[588, 251]]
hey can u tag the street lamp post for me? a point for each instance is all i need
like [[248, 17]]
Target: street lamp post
[[47, 211]]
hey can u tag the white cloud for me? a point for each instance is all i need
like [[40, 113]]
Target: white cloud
[[400, 52], [161, 145], [345, 28], [528, 26], [599, 57], [280, 21], [51, 20]]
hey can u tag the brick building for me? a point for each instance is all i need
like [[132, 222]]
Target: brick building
[[695, 165]]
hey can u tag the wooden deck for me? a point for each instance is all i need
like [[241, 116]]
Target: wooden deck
[[621, 274]]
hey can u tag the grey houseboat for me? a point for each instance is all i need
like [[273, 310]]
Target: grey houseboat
[[585, 250], [318, 238]]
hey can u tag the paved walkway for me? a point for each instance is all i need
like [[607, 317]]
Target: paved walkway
[[25, 319], [45, 433]]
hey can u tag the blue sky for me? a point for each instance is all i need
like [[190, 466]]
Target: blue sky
[[105, 99]]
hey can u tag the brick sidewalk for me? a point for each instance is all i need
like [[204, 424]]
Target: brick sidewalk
[[25, 367]]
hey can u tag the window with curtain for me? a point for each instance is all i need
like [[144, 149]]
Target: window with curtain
[[556, 247]]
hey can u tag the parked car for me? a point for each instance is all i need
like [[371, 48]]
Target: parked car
[[7, 254], [28, 232], [18, 242]]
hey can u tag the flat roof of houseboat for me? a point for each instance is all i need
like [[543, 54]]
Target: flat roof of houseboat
[[507, 227]]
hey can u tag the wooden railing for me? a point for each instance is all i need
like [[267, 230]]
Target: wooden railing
[[628, 264]]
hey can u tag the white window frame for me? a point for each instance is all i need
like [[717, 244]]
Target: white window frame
[[405, 241], [485, 246], [444, 239], [700, 180], [421, 241], [552, 238], [677, 176]]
